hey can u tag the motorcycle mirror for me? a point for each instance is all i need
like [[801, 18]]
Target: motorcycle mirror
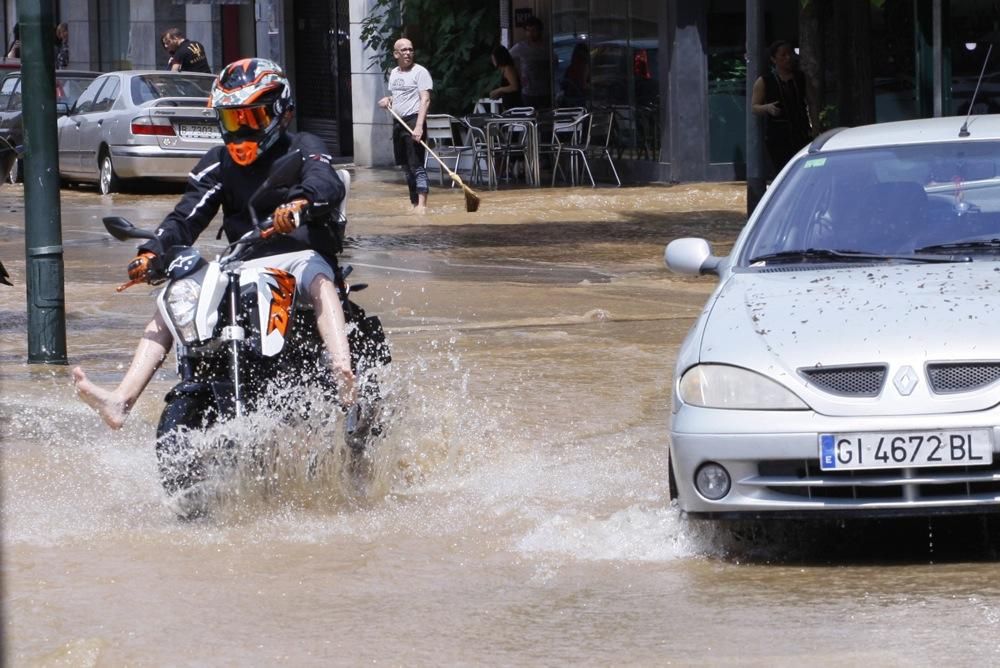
[[284, 172], [123, 230]]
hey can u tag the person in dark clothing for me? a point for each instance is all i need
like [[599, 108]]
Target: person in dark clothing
[[780, 96], [253, 100], [509, 90], [62, 46], [185, 55]]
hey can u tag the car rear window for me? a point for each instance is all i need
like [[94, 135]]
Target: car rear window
[[68, 89], [151, 87]]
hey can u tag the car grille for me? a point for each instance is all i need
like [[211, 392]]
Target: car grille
[[848, 381], [948, 378], [803, 478]]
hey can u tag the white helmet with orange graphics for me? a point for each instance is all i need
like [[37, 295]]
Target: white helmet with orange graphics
[[254, 102]]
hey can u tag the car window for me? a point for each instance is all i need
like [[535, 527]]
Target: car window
[[69, 89], [107, 96], [85, 102], [155, 86], [883, 200], [7, 90]]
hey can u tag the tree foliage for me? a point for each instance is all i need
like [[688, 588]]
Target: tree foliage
[[451, 38]]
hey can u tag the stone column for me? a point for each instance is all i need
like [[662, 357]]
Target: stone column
[[372, 125]]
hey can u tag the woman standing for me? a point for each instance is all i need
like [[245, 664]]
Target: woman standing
[[780, 96], [509, 91]]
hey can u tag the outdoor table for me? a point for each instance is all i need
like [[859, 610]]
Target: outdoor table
[[494, 127]]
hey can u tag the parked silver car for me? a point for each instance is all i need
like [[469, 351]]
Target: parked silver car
[[69, 85], [137, 124], [848, 362]]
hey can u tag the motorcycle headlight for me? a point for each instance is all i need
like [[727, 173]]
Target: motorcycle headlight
[[182, 305], [721, 386]]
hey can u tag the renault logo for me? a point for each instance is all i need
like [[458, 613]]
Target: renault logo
[[905, 380]]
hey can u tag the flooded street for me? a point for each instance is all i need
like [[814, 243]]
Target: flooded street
[[519, 513]]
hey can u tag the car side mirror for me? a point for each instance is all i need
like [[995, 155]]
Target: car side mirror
[[691, 256], [62, 109]]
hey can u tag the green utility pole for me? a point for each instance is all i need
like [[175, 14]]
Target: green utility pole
[[42, 216]]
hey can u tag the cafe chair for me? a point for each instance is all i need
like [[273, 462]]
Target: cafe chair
[[441, 137], [481, 156], [572, 140], [602, 129]]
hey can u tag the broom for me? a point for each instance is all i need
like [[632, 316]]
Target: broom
[[471, 198]]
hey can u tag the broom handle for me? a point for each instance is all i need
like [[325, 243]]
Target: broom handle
[[451, 173]]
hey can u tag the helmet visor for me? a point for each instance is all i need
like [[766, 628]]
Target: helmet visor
[[245, 120]]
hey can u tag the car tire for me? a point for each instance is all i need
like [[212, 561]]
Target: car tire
[[107, 181], [16, 173], [671, 479]]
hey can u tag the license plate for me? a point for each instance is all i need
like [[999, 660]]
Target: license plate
[[877, 450], [199, 131]]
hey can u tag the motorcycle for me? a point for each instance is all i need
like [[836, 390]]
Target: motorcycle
[[239, 333]]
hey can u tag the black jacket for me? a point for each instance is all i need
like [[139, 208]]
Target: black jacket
[[216, 181]]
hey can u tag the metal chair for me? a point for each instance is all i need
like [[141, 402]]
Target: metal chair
[[441, 137], [481, 155], [576, 145], [602, 128]]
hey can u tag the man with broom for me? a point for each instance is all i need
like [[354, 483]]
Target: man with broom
[[409, 98]]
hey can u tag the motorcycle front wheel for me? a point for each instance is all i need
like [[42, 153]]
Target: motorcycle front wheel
[[183, 464]]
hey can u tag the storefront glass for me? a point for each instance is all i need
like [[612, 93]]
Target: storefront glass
[[607, 55]]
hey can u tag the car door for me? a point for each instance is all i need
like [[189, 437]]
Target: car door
[[94, 126], [10, 113], [70, 163]]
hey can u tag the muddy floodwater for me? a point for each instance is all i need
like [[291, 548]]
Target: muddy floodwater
[[519, 512]]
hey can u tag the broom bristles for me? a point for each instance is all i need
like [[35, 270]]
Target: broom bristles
[[471, 200]]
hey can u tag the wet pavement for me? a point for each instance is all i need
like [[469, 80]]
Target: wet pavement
[[519, 513]]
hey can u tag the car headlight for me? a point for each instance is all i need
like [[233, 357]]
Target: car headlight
[[182, 305], [721, 386]]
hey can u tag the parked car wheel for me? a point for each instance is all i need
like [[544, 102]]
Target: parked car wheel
[[109, 182], [16, 173]]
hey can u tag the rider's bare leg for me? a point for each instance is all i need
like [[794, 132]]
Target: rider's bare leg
[[333, 331], [114, 405]]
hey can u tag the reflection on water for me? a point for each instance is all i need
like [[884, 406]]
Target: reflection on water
[[518, 512]]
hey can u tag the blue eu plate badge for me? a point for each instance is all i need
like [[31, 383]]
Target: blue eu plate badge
[[828, 451]]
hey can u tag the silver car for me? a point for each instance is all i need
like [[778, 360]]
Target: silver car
[[135, 125], [848, 362]]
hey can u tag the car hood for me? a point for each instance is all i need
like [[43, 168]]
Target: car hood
[[780, 321]]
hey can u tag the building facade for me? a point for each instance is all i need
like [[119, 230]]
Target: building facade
[[676, 72]]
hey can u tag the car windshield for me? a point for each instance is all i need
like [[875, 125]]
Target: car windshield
[[69, 88], [884, 201], [151, 87]]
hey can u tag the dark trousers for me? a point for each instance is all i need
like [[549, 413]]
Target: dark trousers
[[410, 155]]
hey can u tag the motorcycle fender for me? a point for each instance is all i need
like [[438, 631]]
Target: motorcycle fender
[[275, 306]]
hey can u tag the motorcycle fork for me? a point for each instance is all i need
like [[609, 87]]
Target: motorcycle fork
[[234, 334]]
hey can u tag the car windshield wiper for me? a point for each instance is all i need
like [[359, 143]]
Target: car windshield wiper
[[974, 245], [846, 256]]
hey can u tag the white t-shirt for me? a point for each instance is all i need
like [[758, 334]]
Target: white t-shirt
[[405, 88]]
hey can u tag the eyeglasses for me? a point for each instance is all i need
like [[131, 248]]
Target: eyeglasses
[[244, 118]]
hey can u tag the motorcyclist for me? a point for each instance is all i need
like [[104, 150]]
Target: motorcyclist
[[254, 104]]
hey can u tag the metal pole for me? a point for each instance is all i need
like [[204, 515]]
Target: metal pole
[[756, 180], [42, 216]]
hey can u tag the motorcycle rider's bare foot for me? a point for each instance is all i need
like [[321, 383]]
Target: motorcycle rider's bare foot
[[112, 409], [346, 389]]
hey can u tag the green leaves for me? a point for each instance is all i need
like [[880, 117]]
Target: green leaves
[[453, 40]]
